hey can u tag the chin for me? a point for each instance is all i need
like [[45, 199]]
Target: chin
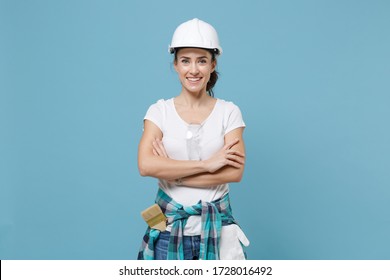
[[195, 89]]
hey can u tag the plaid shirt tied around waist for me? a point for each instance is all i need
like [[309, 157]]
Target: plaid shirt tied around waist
[[214, 215]]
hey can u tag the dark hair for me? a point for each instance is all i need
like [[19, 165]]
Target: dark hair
[[213, 76]]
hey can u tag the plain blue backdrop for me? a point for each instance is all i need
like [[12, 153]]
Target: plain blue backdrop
[[311, 79]]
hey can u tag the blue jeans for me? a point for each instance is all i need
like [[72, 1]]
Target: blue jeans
[[191, 246]]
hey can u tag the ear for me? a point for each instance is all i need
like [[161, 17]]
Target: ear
[[175, 65], [213, 65]]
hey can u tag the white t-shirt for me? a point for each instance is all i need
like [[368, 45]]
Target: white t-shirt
[[183, 141]]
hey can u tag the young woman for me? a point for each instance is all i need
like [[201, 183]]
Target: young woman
[[193, 144]]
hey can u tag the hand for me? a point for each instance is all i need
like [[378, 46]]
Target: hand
[[159, 149], [225, 156]]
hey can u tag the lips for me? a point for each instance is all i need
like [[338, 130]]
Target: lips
[[194, 80]]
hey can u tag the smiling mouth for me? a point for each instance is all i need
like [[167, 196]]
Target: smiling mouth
[[194, 79]]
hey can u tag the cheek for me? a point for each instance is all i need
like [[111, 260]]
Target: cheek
[[176, 67], [208, 73], [179, 72]]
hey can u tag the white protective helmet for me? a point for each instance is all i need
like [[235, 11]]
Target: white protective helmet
[[195, 33]]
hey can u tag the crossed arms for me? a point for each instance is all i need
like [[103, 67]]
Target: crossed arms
[[226, 165]]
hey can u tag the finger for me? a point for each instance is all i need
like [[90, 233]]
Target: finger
[[155, 152], [162, 148], [157, 148], [231, 144], [234, 164], [234, 152], [235, 158]]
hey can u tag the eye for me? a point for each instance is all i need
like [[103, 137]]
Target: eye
[[203, 61], [185, 61]]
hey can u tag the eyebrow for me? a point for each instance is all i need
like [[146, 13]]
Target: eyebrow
[[199, 57]]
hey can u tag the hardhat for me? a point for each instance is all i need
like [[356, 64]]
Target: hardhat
[[195, 33]]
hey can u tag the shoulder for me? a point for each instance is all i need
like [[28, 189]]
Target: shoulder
[[228, 106], [158, 112], [232, 117], [161, 105]]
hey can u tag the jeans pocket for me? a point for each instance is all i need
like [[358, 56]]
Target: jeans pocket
[[161, 246]]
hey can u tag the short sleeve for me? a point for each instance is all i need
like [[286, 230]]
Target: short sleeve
[[233, 117], [155, 114]]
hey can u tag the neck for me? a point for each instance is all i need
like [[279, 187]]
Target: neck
[[193, 99]]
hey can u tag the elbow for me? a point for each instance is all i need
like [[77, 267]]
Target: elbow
[[237, 178], [147, 168], [237, 175], [143, 169], [142, 172]]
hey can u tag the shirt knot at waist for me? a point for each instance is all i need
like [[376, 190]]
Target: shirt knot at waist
[[213, 214]]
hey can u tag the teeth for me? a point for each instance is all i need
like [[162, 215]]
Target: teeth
[[193, 79]]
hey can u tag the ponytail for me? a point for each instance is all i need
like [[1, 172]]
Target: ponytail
[[213, 80]]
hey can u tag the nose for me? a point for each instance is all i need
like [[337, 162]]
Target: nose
[[194, 69]]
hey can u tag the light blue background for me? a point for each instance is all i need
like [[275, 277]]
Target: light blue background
[[312, 81]]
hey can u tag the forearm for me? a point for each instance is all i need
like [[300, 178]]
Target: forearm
[[224, 175], [154, 162], [224, 166], [169, 169]]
